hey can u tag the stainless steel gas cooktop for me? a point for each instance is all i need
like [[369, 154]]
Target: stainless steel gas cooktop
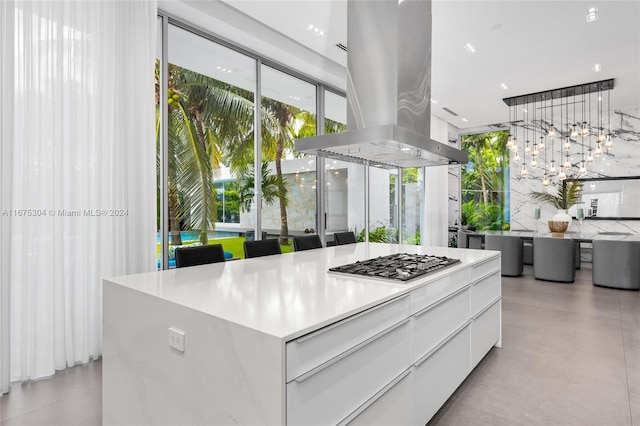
[[396, 267]]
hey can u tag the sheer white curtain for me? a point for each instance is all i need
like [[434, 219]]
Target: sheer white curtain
[[78, 167]]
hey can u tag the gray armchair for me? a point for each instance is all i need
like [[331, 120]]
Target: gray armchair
[[616, 264], [511, 249], [554, 259]]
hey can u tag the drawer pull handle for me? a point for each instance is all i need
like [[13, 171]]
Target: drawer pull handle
[[439, 302], [348, 352], [486, 308], [441, 344], [351, 417], [351, 318], [482, 262], [484, 277]]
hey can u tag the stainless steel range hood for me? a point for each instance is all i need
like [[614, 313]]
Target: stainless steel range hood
[[388, 90]]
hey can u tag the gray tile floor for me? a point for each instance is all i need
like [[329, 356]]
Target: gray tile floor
[[570, 356]]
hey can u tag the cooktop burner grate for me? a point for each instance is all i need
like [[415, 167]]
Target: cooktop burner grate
[[400, 267]]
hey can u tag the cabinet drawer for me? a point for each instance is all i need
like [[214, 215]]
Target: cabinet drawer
[[437, 377], [485, 267], [432, 292], [392, 406], [436, 322], [330, 392], [485, 291], [311, 350], [485, 332]]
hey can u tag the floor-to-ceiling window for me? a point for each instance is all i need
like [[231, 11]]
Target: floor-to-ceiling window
[[289, 181], [210, 113], [485, 181], [344, 182]]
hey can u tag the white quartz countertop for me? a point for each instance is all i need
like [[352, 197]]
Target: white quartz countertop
[[291, 294]]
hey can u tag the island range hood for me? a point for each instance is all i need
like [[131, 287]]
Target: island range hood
[[388, 90]]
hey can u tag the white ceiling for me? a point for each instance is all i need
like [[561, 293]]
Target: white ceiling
[[530, 46]]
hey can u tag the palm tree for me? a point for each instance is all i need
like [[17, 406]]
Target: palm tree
[[277, 142], [204, 116], [272, 187]]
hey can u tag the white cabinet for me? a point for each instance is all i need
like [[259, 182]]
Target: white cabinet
[[311, 350], [485, 332], [484, 291], [391, 406], [396, 363], [333, 390], [437, 375], [436, 322]]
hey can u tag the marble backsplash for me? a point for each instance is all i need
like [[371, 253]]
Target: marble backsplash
[[623, 160]]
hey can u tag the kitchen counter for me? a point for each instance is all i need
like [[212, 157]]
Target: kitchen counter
[[240, 320]]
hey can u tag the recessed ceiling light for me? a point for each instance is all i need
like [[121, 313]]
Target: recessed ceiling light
[[223, 69], [465, 120], [597, 68], [503, 86], [470, 48], [317, 31], [592, 14], [295, 98], [405, 148]]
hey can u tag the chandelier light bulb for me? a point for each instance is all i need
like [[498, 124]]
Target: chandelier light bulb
[[583, 169], [574, 133], [585, 129], [510, 142], [545, 180], [567, 144], [534, 162], [527, 149], [601, 136], [609, 143], [553, 170], [590, 156], [598, 152], [541, 144], [514, 147], [524, 170], [552, 132], [516, 156], [567, 163], [562, 175]]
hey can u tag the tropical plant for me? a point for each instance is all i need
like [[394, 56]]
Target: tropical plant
[[273, 188], [484, 198], [567, 195]]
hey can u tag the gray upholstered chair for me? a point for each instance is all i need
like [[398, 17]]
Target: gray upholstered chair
[[554, 259], [475, 241], [616, 264], [528, 252], [511, 249], [462, 239]]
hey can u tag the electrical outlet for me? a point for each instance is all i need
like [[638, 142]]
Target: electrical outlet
[[176, 339]]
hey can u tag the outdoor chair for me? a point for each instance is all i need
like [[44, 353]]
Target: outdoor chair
[[306, 242], [199, 255], [261, 248], [342, 238]]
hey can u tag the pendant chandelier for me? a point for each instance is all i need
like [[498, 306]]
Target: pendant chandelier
[[571, 119]]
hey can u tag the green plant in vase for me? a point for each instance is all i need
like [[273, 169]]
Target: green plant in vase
[[566, 196]]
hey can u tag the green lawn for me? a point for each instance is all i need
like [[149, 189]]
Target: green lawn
[[234, 245]]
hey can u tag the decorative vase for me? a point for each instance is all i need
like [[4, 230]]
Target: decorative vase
[[562, 216]]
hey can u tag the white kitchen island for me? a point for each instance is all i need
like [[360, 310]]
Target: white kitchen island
[[277, 340]]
